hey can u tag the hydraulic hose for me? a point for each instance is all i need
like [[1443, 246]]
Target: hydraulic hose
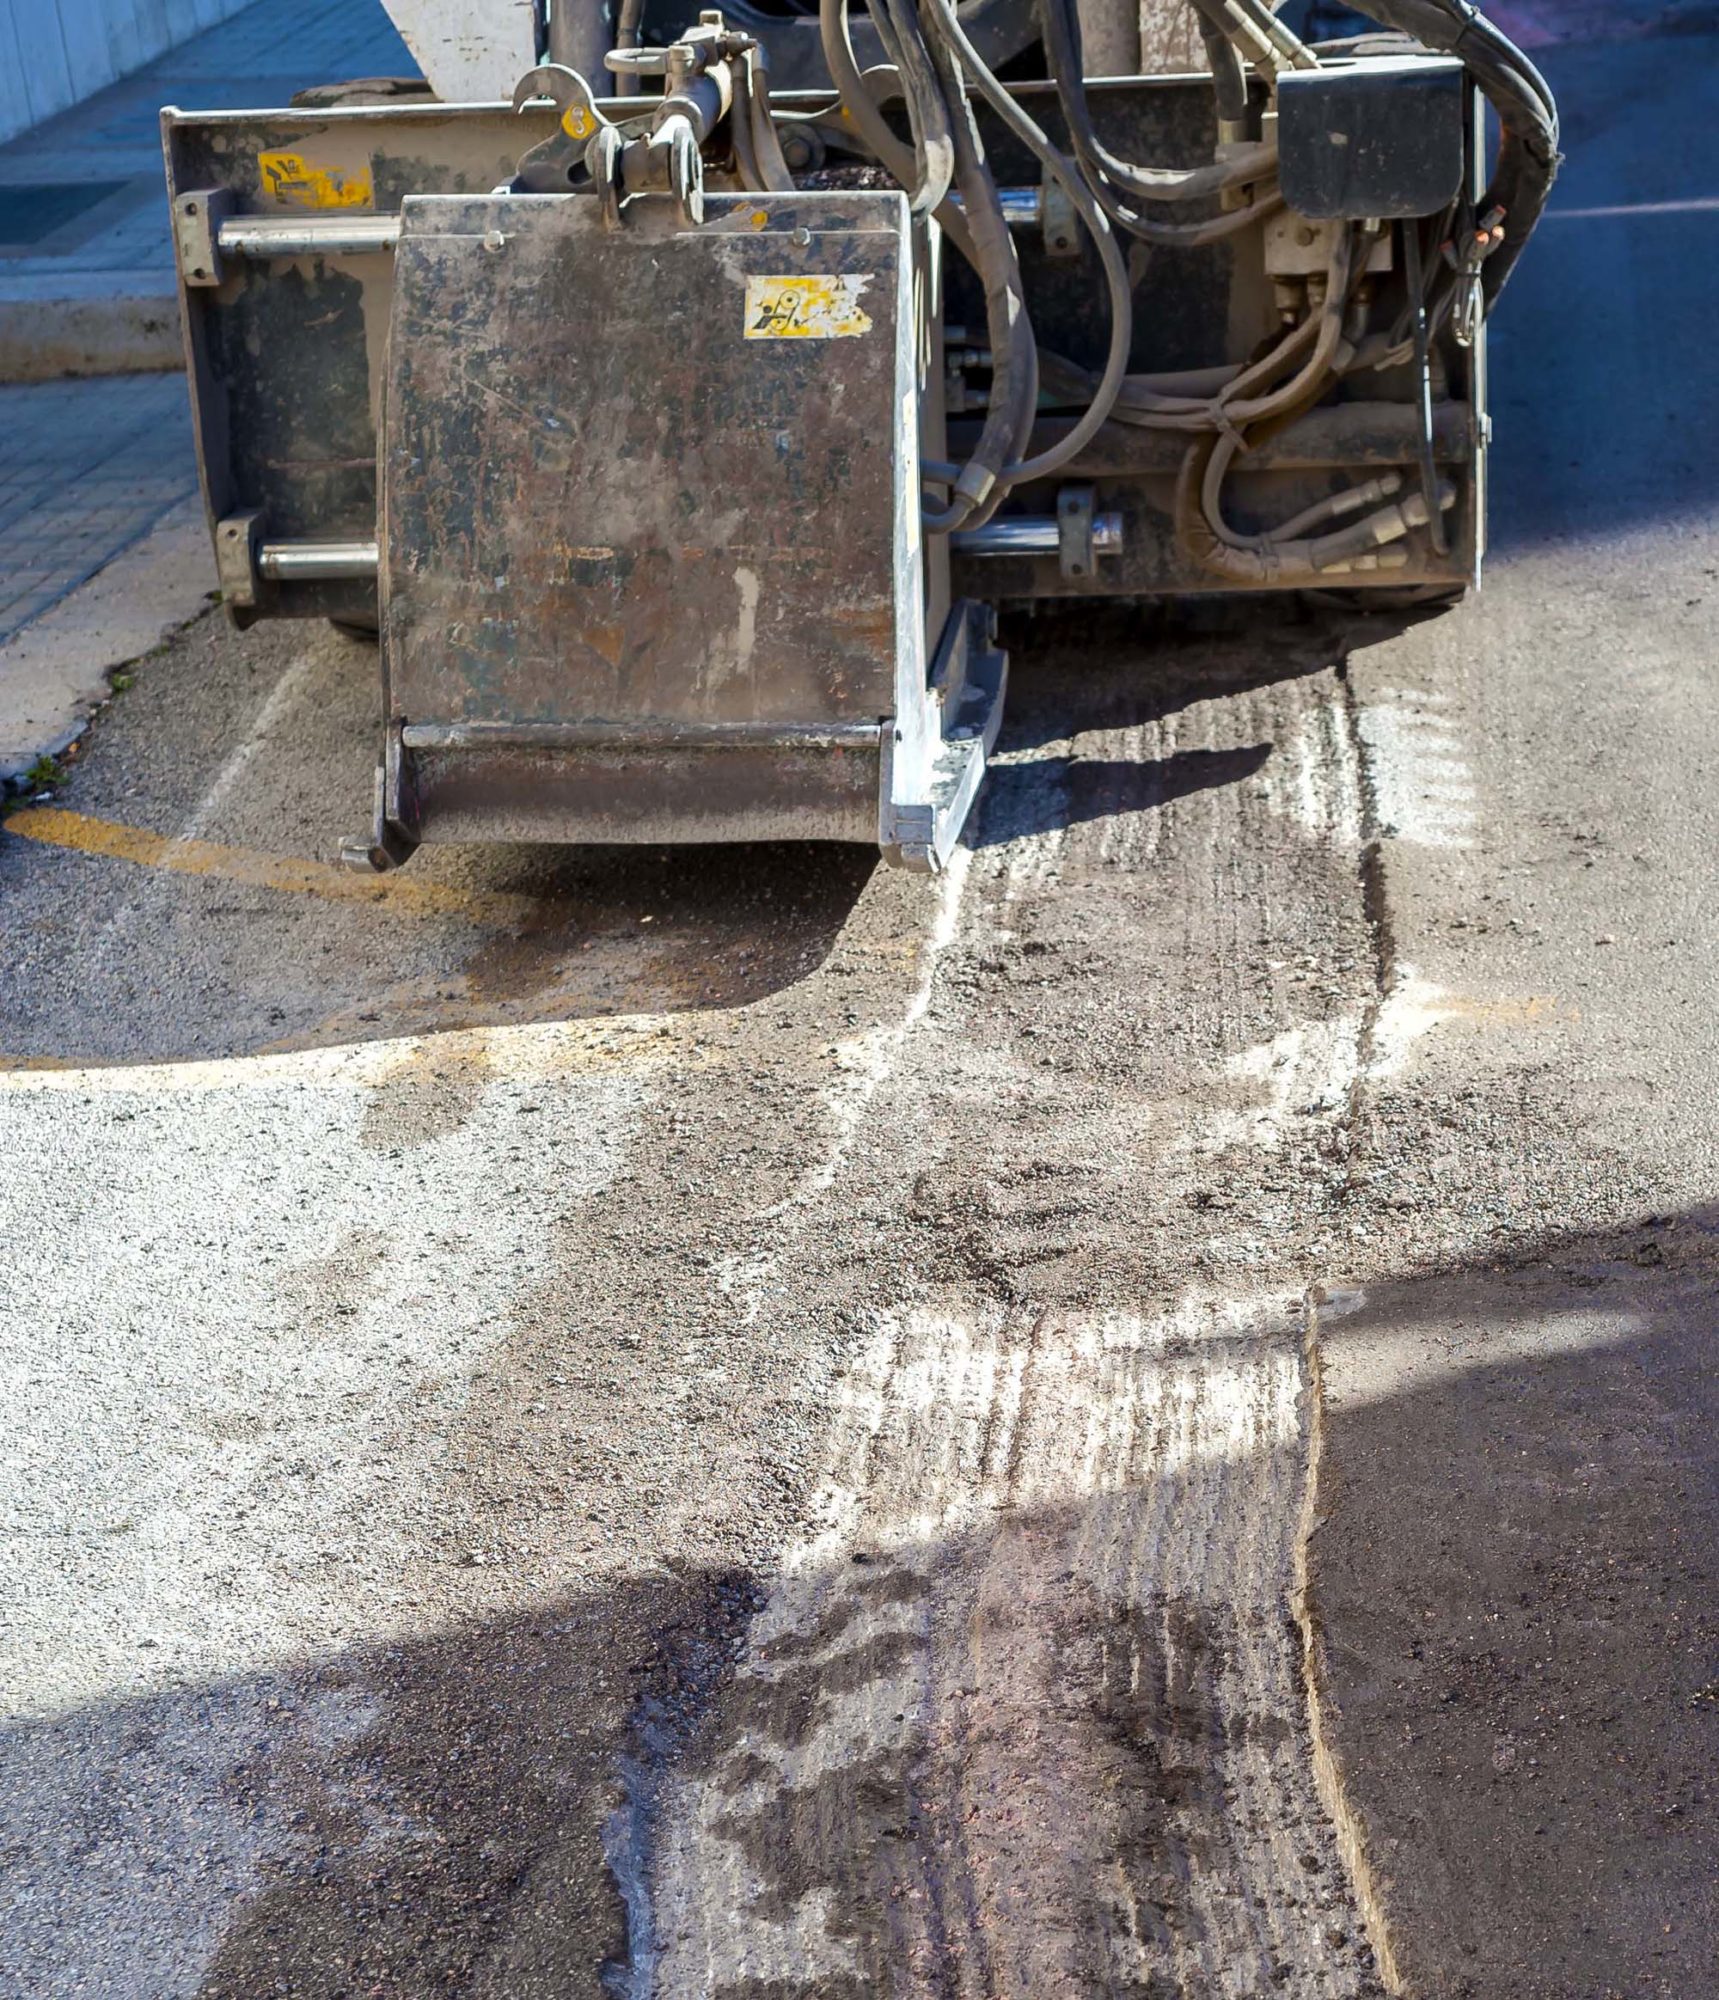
[[1061, 30], [1362, 545], [766, 140], [1528, 158], [947, 25], [1229, 74], [856, 96], [1014, 370], [927, 113]]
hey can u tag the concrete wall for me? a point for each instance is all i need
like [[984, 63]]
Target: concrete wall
[[54, 53]]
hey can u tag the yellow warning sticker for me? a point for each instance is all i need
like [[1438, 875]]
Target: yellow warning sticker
[[577, 122], [291, 178], [806, 308]]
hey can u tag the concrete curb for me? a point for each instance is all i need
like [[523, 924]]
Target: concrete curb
[[43, 339], [54, 673]]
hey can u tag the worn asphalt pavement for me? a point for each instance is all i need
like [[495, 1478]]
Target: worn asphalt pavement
[[1135, 1420]]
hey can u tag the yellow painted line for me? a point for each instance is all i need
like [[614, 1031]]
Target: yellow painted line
[[82, 834], [534, 1052]]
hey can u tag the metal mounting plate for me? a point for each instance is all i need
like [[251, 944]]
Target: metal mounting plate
[[658, 480]]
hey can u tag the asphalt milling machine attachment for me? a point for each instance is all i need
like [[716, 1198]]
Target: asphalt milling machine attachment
[[680, 442]]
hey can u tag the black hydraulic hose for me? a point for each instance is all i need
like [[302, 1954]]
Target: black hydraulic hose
[[1014, 368], [1113, 181], [844, 71], [1528, 157], [927, 113], [1060, 27], [855, 96], [1188, 235], [1229, 72], [947, 24]]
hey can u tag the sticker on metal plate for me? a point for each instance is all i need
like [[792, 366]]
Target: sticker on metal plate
[[806, 308], [300, 183]]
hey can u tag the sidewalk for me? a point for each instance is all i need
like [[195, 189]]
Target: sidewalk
[[86, 267], [103, 549], [102, 544]]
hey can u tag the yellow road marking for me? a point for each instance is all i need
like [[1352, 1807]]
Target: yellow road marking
[[82, 834], [539, 1051]]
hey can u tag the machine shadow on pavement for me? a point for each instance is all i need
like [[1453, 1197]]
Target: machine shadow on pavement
[[447, 1811], [177, 899], [1103, 671]]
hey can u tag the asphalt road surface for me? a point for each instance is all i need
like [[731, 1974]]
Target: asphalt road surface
[[1136, 1420]]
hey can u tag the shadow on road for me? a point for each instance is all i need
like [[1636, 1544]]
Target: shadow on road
[[1512, 1587], [180, 903]]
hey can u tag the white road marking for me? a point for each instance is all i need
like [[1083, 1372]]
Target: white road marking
[[1422, 785]]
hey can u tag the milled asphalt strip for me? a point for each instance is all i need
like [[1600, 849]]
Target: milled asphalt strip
[[1024, 1714], [1072, 1477]]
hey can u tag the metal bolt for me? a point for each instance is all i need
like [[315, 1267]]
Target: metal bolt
[[494, 240], [802, 237]]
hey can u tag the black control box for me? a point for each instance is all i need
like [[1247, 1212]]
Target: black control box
[[1372, 136]]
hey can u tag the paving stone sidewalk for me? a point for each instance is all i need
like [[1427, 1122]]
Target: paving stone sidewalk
[[86, 264], [86, 469], [97, 474]]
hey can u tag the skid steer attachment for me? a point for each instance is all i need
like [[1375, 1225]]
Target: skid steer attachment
[[680, 483], [650, 560]]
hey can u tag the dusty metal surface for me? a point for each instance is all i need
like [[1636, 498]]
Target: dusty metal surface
[[286, 353], [621, 486]]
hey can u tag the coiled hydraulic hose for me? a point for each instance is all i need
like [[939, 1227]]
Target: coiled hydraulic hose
[[1528, 158], [1115, 181], [1068, 177]]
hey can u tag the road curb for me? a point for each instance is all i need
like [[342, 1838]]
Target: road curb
[[43, 339], [54, 672]]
